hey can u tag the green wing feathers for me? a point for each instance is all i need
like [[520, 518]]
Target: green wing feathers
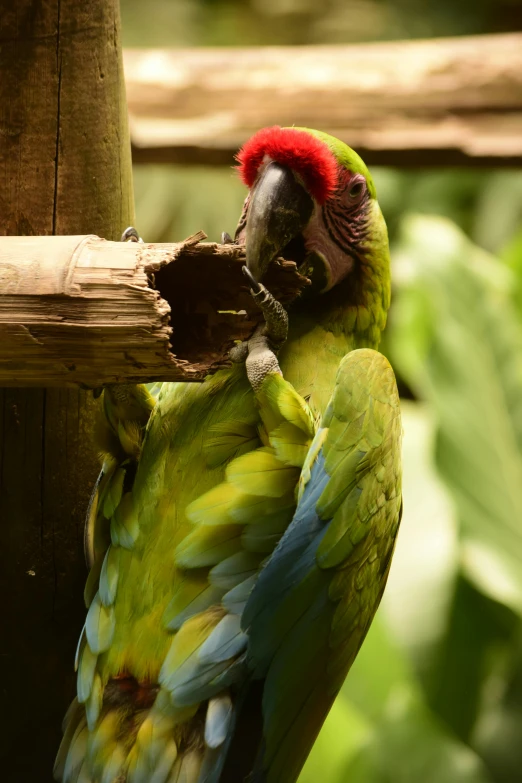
[[111, 524], [313, 603], [362, 456], [232, 537], [169, 720], [236, 525], [119, 430]]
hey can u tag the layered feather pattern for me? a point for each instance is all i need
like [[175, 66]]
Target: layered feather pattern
[[234, 536], [313, 603], [230, 530]]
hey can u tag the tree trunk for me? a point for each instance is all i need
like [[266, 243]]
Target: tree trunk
[[65, 169]]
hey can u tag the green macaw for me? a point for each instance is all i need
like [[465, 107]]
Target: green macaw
[[242, 529]]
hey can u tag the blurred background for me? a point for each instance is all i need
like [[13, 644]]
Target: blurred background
[[436, 692]]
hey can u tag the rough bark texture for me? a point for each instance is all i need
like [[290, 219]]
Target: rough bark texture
[[64, 169], [81, 310], [420, 103]]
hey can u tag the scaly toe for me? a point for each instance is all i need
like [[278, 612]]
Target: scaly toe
[[238, 353], [276, 317]]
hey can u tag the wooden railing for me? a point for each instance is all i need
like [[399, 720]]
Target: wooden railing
[[454, 101]]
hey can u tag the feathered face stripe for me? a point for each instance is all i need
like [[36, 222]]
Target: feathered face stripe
[[345, 215], [338, 230], [306, 155]]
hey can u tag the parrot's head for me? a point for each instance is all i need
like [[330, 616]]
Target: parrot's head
[[312, 200]]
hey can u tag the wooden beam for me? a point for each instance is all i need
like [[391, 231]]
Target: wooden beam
[[83, 311], [454, 101]]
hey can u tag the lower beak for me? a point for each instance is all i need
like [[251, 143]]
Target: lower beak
[[278, 211]]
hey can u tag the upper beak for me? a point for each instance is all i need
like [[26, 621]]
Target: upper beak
[[279, 209]]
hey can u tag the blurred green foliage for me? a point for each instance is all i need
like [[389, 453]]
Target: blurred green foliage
[[437, 685], [436, 691], [282, 22]]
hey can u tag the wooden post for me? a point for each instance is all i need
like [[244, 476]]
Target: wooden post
[[65, 169]]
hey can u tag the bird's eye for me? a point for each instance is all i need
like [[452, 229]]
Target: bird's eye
[[356, 189]]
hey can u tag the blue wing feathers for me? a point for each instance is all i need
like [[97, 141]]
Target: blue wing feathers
[[315, 597]]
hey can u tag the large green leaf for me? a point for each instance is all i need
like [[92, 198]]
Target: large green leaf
[[420, 588], [498, 213], [409, 746], [498, 735], [345, 732], [455, 637], [422, 576], [471, 657], [457, 341], [407, 743], [381, 731]]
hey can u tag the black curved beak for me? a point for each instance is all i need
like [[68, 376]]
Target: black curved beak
[[279, 209]]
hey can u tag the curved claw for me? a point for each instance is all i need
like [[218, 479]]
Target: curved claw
[[254, 285], [268, 338], [276, 317], [130, 235]]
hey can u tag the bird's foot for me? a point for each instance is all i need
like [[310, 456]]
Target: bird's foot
[[259, 353], [261, 359], [276, 317], [238, 354]]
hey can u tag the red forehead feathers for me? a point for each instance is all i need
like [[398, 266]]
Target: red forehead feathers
[[297, 149]]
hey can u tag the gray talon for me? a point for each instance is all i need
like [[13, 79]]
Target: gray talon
[[226, 239], [276, 317], [130, 235], [260, 353], [255, 287]]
